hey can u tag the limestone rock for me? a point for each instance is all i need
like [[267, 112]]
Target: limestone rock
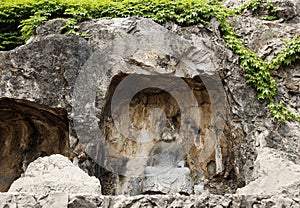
[[54, 200], [288, 10], [48, 73], [60, 71], [161, 201], [273, 176], [268, 41], [12, 200], [50, 27], [124, 56], [55, 173]]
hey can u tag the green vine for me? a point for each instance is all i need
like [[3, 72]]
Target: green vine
[[252, 5], [255, 5], [19, 20], [289, 54]]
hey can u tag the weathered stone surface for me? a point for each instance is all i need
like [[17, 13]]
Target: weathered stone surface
[[251, 126], [161, 201], [12, 200], [29, 130], [54, 200], [51, 82], [288, 10], [269, 40], [274, 175], [129, 56], [55, 173], [48, 73]]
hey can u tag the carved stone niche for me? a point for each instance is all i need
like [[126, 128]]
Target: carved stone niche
[[150, 153], [27, 131], [155, 157]]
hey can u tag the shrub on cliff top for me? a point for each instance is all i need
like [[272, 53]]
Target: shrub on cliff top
[[20, 18]]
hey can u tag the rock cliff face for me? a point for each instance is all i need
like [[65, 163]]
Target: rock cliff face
[[170, 129], [155, 110]]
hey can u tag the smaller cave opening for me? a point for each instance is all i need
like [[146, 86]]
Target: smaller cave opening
[[29, 130]]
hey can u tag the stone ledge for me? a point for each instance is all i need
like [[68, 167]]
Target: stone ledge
[[60, 199]]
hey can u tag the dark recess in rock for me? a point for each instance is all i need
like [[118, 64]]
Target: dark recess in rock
[[27, 131]]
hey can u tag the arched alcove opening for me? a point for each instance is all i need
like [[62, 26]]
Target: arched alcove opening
[[155, 119]]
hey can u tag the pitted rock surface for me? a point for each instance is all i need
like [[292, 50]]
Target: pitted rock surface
[[58, 200], [55, 173]]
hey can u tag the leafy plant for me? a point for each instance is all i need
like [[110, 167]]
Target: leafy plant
[[19, 20]]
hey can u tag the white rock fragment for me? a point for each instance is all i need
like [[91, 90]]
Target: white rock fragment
[[55, 173]]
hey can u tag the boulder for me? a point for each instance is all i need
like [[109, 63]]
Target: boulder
[[55, 173], [274, 175]]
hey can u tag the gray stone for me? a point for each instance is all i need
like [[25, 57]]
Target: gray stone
[[55, 173], [287, 10], [54, 200], [167, 180], [14, 200], [79, 75], [129, 56], [161, 201], [274, 175]]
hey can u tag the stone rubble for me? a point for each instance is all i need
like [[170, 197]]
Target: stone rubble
[[60, 200]]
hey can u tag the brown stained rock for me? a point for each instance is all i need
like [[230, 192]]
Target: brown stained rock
[[28, 130], [142, 51]]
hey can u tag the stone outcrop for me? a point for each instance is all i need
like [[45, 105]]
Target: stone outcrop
[[263, 133], [116, 53], [121, 114], [29, 130], [55, 173]]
